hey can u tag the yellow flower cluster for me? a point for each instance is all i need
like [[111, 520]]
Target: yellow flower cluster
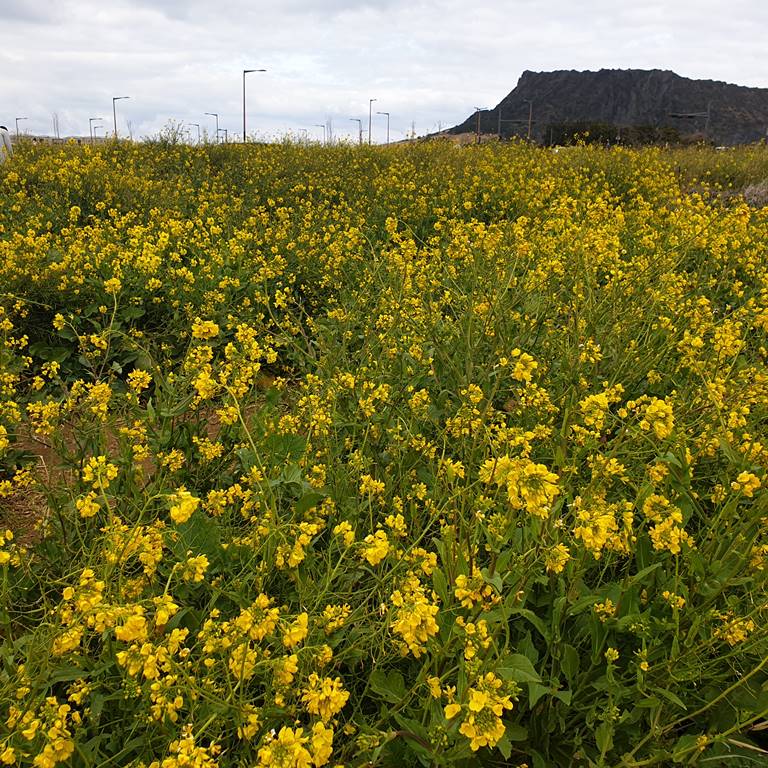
[[529, 486], [414, 617], [481, 715]]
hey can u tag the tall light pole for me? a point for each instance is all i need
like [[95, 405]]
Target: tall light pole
[[387, 114], [370, 107], [216, 115], [91, 121], [360, 125], [321, 125], [114, 111], [17, 125], [530, 117], [246, 72], [197, 125]]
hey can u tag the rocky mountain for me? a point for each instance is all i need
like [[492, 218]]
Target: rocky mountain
[[654, 102]]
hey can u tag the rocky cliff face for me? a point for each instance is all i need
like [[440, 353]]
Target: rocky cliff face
[[724, 113]]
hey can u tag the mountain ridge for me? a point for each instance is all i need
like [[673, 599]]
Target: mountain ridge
[[715, 110]]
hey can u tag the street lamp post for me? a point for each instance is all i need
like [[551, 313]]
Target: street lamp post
[[370, 107], [114, 111], [387, 114], [197, 125], [321, 125], [216, 115], [91, 121], [530, 117], [360, 125], [17, 125], [245, 72]]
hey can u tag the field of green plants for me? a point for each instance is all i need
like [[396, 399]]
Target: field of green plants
[[384, 456]]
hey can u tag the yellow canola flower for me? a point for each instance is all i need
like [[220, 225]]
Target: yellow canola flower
[[324, 696], [482, 723], [295, 632], [414, 618], [375, 547], [556, 558], [99, 472], [204, 329], [134, 628], [183, 505], [659, 417], [530, 486], [746, 483], [287, 750]]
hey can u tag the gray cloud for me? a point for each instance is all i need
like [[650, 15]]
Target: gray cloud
[[426, 61]]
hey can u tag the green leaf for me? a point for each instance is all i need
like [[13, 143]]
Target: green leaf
[[669, 696], [247, 458], [132, 313], [569, 661], [535, 692], [643, 552], [684, 747], [649, 703], [65, 674], [308, 500], [515, 732], [199, 535], [640, 575], [583, 604], [389, 686], [291, 475], [519, 668], [604, 737], [494, 581], [440, 584], [504, 746], [533, 619]]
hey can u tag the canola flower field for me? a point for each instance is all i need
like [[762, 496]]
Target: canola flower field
[[416, 456]]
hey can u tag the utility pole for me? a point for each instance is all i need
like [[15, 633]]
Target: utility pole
[[694, 115], [477, 112], [360, 125], [114, 111], [387, 114], [530, 117]]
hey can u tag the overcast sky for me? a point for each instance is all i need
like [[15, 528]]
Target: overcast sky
[[429, 62]]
